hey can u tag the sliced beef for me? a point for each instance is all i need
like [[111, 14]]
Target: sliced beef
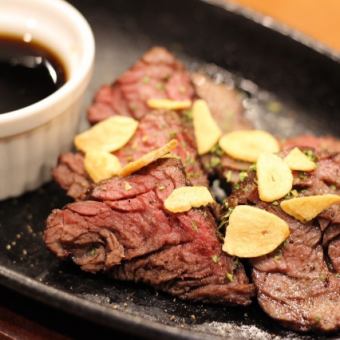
[[125, 231], [324, 180], [226, 107], [155, 129], [158, 74], [70, 174], [296, 285]]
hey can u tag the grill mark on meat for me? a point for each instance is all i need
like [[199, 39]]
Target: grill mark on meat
[[295, 284], [130, 236]]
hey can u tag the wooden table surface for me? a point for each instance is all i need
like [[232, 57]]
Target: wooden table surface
[[320, 19], [22, 318]]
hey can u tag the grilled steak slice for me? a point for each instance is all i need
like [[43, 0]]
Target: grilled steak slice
[[156, 75], [227, 109], [295, 284], [124, 230], [155, 129], [324, 180]]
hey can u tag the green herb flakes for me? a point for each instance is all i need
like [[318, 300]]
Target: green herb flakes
[[159, 86], [194, 226], [243, 175], [215, 161], [146, 80], [310, 154], [187, 115], [172, 134], [228, 175], [229, 277], [252, 167], [215, 258]]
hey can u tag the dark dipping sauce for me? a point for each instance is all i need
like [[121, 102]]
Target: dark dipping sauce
[[29, 72]]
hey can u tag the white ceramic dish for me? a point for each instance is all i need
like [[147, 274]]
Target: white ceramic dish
[[31, 138]]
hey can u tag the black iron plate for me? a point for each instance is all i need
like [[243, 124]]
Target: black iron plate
[[289, 88]]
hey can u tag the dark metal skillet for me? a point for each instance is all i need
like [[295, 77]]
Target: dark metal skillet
[[305, 84]]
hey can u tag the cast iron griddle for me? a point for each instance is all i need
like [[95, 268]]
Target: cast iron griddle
[[288, 88]]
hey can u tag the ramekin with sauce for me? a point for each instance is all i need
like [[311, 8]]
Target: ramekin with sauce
[[32, 137]]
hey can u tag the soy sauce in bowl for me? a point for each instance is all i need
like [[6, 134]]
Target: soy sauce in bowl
[[29, 72]]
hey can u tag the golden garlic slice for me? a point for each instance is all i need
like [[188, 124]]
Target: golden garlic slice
[[148, 158], [253, 232], [308, 207], [247, 145], [207, 132], [101, 165], [109, 135], [274, 178], [297, 160], [184, 198], [168, 104]]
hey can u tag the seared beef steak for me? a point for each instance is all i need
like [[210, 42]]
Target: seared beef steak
[[158, 74], [155, 130], [324, 180], [125, 231], [295, 283]]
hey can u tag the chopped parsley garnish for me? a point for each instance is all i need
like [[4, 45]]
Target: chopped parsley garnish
[[194, 226], [236, 186], [317, 318], [159, 86], [229, 277], [172, 134], [277, 257], [217, 151], [146, 80], [215, 161], [243, 175], [323, 277], [215, 258], [92, 252], [310, 154], [187, 115], [303, 175], [252, 167], [228, 175]]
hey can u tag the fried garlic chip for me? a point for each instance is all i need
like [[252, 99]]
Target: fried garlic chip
[[101, 165], [109, 135], [148, 158], [253, 232], [168, 104], [207, 132], [274, 178], [184, 198], [297, 160], [247, 145], [306, 208]]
